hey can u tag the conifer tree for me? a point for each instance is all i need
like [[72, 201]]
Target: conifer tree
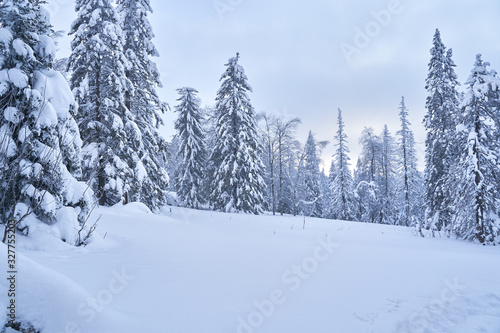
[[409, 184], [477, 183], [39, 139], [367, 172], [387, 180], [237, 182], [341, 186], [326, 195], [440, 123], [173, 162], [312, 196], [331, 179], [144, 103], [99, 83], [190, 173]]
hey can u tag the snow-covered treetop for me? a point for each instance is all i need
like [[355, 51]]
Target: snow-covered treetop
[[437, 60], [438, 49], [449, 68], [235, 73], [91, 15], [440, 66], [341, 156], [134, 14], [138, 48], [403, 114], [186, 90], [26, 27], [481, 81], [189, 103], [341, 135]]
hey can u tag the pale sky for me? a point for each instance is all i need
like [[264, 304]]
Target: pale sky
[[308, 58]]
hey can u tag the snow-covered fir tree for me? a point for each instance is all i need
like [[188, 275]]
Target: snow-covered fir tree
[[331, 179], [190, 175], [237, 181], [173, 161], [110, 162], [312, 196], [341, 182], [387, 181], [440, 144], [209, 116], [39, 139], [477, 182], [326, 195], [368, 169], [410, 179], [144, 103]]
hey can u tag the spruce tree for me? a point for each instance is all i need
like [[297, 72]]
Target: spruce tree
[[440, 123], [237, 182], [312, 196], [173, 162], [387, 180], [410, 178], [144, 103], [326, 195], [39, 139], [367, 172], [331, 179], [190, 173], [477, 183], [341, 182], [99, 83]]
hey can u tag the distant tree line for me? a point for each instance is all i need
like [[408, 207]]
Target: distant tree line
[[457, 194]]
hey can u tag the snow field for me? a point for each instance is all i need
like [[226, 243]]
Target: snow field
[[201, 271]]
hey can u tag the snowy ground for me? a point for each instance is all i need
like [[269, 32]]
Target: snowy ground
[[196, 271]]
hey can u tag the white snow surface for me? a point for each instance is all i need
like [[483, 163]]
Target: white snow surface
[[17, 77], [5, 36], [200, 271], [55, 89]]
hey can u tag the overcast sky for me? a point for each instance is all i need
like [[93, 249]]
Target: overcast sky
[[309, 58]]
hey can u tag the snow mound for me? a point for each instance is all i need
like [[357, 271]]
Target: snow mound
[[132, 208], [52, 302]]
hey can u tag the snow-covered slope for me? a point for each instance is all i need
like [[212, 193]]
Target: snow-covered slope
[[197, 271]]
